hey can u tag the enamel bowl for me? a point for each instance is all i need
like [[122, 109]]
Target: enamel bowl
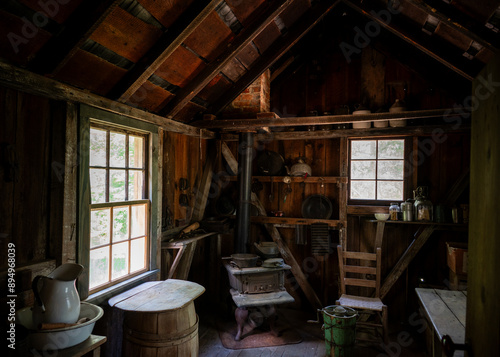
[[382, 216], [59, 338]]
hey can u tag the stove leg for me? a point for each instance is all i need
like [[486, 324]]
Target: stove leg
[[241, 315], [272, 320]]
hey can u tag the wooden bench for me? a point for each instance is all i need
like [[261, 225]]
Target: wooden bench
[[445, 312]]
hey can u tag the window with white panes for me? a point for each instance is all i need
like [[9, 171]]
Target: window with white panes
[[377, 169], [119, 208]]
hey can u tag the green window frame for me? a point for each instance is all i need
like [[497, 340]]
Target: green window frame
[[117, 223]]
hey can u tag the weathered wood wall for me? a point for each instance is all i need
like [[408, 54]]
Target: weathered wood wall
[[32, 142], [183, 157]]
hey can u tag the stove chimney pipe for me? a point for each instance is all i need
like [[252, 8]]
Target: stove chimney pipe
[[246, 140]]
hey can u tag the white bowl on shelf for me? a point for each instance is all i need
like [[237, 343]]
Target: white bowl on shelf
[[382, 216]]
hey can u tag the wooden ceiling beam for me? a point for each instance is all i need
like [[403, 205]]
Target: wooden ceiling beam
[[453, 23], [208, 73], [25, 81], [77, 29], [163, 48], [281, 46], [441, 51]]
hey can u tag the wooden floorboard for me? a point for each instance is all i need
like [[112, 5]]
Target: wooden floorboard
[[312, 345]]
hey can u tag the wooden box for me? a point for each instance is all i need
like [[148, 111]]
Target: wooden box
[[457, 257]]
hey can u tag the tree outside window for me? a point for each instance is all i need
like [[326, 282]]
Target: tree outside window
[[377, 169]]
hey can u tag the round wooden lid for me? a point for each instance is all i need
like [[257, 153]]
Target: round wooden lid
[[166, 295]]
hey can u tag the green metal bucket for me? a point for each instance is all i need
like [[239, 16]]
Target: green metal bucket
[[339, 324]]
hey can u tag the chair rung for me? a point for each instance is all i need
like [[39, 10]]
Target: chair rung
[[360, 269], [360, 282], [360, 255]]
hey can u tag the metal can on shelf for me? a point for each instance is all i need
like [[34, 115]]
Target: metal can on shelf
[[407, 210]]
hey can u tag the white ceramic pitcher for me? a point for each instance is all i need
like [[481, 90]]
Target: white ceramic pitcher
[[56, 297]]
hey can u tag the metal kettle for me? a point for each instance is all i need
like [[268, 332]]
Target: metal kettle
[[300, 169]]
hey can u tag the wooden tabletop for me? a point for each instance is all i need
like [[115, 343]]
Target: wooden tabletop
[[446, 310], [158, 296]]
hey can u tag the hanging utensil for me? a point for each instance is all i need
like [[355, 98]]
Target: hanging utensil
[[287, 180], [271, 193]]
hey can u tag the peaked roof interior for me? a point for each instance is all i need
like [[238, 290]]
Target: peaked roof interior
[[182, 58]]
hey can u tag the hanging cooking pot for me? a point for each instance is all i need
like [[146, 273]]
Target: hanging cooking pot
[[270, 163], [317, 206], [300, 169]]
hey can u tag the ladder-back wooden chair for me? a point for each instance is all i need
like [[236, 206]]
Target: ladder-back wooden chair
[[354, 271]]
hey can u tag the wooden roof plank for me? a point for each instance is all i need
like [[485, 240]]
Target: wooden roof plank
[[240, 42], [78, 28], [166, 12], [86, 70], [210, 38], [166, 45], [282, 45], [126, 35]]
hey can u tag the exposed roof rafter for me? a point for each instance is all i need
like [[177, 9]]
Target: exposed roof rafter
[[422, 5], [271, 55], [165, 46], [240, 42], [439, 50], [79, 27]]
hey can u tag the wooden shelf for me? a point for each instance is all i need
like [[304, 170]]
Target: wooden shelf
[[298, 179], [420, 222], [294, 221]]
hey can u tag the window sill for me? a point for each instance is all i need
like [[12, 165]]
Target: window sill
[[366, 210], [104, 295]]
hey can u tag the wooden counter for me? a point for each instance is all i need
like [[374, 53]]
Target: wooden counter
[[445, 312]]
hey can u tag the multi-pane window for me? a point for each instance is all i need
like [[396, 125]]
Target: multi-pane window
[[377, 169], [119, 226]]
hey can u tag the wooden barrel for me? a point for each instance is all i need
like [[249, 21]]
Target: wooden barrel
[[167, 333], [160, 319]]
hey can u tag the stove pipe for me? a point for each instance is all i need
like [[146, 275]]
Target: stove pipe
[[245, 178]]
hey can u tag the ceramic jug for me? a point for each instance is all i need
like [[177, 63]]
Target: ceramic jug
[[56, 297]]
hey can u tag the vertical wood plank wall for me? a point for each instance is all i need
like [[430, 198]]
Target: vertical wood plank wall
[[32, 156], [483, 325]]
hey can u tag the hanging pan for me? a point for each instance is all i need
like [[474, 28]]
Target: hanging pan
[[317, 206], [270, 163]]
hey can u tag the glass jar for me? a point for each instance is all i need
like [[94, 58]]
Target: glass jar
[[423, 209], [394, 211]]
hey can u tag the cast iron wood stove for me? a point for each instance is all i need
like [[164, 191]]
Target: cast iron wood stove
[[256, 291]]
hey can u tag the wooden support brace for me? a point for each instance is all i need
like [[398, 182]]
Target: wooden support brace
[[421, 237], [200, 201]]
